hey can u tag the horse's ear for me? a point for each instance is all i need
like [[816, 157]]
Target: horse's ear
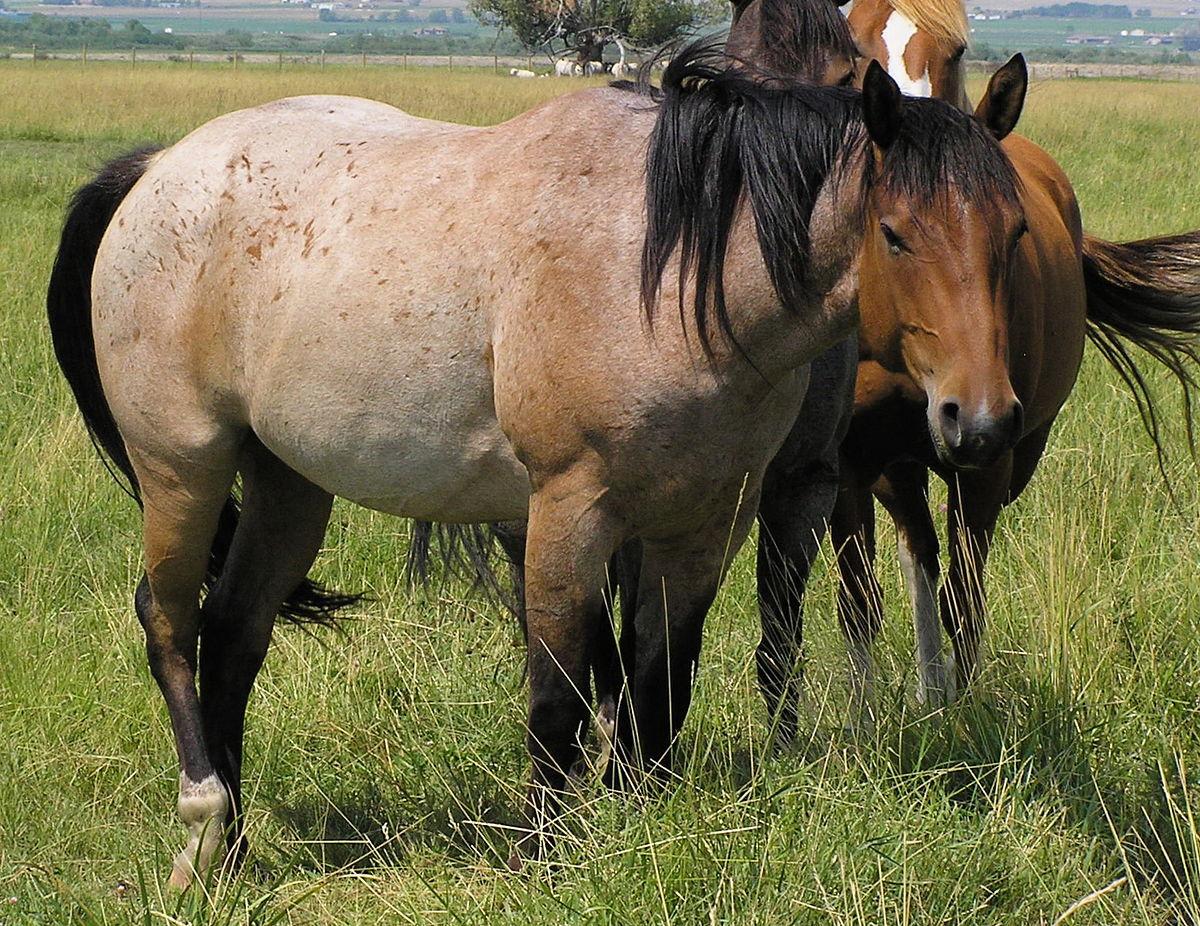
[[1002, 102], [881, 106]]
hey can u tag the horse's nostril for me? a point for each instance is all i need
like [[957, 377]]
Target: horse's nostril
[[951, 431], [1018, 421]]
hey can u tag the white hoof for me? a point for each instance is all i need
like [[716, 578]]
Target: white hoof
[[204, 808]]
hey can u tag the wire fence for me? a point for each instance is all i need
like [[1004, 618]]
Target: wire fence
[[500, 64]]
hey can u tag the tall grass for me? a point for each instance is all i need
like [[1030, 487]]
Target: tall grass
[[384, 767]]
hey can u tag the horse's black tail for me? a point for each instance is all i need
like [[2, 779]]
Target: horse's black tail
[[472, 551], [69, 309], [1147, 293]]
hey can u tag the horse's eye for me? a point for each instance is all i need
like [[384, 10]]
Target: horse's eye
[[1022, 231], [894, 242], [957, 56]]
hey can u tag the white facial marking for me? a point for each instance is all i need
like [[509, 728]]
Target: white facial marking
[[897, 33], [922, 587]]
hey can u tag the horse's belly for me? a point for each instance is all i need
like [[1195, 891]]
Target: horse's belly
[[452, 475], [373, 429]]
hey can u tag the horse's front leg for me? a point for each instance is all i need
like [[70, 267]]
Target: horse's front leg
[[677, 584], [570, 540], [860, 602], [904, 492], [976, 497], [793, 518]]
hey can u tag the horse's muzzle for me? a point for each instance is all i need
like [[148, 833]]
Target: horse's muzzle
[[975, 440]]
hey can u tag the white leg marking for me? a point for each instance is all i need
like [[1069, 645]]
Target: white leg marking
[[897, 33], [606, 732], [922, 596], [204, 808]]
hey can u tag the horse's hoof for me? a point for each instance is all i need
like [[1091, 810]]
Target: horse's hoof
[[181, 878]]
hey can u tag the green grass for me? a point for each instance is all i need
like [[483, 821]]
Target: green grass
[[384, 765]]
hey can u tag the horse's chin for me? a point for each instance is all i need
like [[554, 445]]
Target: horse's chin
[[951, 459], [959, 461]]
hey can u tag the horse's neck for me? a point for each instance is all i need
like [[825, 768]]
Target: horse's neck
[[960, 98], [779, 338]]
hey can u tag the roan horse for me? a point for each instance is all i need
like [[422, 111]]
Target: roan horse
[[248, 301]]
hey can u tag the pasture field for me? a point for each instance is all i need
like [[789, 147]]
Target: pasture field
[[385, 764]]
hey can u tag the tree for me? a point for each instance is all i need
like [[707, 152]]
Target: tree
[[587, 27]]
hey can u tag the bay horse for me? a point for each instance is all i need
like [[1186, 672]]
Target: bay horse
[[250, 301], [969, 388]]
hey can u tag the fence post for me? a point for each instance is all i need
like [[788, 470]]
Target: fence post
[[496, 63], [322, 59], [364, 59], [450, 58], [85, 55], [281, 61], [191, 58], [531, 62], [237, 57], [406, 62], [35, 53], [133, 58]]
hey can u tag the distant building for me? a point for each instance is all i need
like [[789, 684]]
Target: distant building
[[1089, 40]]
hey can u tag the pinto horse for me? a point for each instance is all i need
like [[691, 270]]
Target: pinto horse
[[246, 302], [922, 44]]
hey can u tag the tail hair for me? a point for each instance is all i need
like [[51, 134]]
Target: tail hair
[[69, 312], [471, 551], [1147, 293]]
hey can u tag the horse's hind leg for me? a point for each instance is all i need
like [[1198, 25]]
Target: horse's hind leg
[[183, 496], [281, 528]]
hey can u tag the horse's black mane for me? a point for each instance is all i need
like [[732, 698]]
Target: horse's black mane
[[792, 39], [722, 137]]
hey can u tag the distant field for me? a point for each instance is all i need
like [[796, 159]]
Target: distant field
[[1036, 32], [272, 20], [383, 765]]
